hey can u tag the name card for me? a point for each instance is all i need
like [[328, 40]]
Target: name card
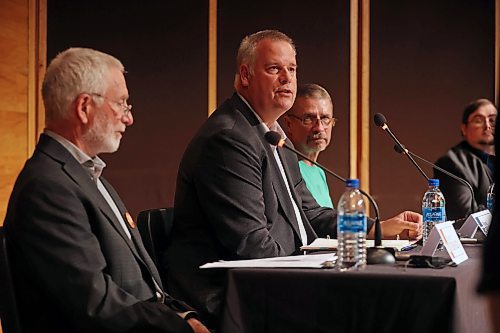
[[446, 233], [480, 219]]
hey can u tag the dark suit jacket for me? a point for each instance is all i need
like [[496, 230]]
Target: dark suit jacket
[[231, 203], [74, 267], [462, 162], [490, 277]]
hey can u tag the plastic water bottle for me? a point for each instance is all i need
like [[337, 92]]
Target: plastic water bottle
[[351, 228], [490, 198], [433, 207]]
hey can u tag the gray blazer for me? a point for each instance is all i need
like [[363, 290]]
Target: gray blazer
[[231, 203], [75, 268]]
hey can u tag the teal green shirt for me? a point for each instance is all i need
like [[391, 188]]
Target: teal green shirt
[[315, 179]]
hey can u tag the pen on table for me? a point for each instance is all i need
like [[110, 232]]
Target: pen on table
[[408, 247]]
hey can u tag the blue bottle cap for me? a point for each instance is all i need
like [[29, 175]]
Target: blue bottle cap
[[352, 182], [433, 182]]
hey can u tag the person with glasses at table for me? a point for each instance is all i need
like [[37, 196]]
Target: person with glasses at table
[[77, 258], [308, 124], [473, 159], [238, 197]]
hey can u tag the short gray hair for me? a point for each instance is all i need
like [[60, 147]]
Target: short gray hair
[[312, 90], [246, 51], [72, 72]]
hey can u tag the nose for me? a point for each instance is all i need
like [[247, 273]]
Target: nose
[[285, 76], [128, 119], [318, 125]]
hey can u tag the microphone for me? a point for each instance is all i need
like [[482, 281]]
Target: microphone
[[461, 180], [375, 255], [381, 121]]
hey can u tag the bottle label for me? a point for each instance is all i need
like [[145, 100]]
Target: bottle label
[[352, 223], [434, 214], [490, 202]]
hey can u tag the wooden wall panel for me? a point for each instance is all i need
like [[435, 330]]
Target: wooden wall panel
[[13, 94]]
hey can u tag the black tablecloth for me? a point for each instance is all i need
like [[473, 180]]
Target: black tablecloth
[[378, 299]]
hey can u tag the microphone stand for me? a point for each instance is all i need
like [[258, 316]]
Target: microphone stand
[[404, 150], [374, 255], [463, 181]]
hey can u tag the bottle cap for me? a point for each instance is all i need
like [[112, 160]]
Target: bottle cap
[[433, 182], [352, 182]]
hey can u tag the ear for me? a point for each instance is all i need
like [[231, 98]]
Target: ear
[[244, 76], [287, 123], [83, 107], [463, 128]]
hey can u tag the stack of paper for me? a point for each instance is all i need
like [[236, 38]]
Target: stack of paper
[[331, 244], [302, 261]]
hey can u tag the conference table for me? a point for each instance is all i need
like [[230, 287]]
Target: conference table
[[380, 298]]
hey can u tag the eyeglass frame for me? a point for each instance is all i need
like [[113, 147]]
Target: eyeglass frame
[[332, 121], [479, 121], [126, 108]]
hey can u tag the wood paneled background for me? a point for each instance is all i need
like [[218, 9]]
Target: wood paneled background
[[425, 65], [14, 78], [427, 59]]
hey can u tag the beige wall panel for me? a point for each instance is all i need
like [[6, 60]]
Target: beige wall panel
[[14, 55], [13, 147], [13, 94]]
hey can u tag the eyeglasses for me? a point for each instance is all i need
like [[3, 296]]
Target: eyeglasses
[[479, 121], [124, 107], [311, 120]]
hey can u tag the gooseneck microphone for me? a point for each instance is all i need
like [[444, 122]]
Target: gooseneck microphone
[[461, 180], [381, 121], [375, 255]]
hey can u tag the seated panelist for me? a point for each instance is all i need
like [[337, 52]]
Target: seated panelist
[[473, 159], [238, 197], [308, 124], [78, 261]]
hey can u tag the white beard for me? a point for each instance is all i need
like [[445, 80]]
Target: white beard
[[101, 137]]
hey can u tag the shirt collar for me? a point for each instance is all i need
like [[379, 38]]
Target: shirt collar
[[274, 127], [94, 166], [478, 152]]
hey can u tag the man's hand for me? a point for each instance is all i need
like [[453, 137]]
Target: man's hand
[[197, 326], [406, 225]]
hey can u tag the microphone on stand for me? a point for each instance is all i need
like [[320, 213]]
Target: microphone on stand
[[381, 121], [461, 180], [374, 255]]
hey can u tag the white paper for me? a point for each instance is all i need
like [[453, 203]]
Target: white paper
[[302, 261], [480, 219], [451, 242], [329, 244], [432, 242]]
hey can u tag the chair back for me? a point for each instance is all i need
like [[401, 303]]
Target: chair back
[[8, 304], [155, 226]]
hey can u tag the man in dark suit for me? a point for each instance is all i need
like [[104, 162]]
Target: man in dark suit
[[78, 261], [473, 159], [238, 197]]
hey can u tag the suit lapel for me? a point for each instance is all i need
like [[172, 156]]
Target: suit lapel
[[138, 249], [287, 159], [281, 190], [80, 176], [276, 178]]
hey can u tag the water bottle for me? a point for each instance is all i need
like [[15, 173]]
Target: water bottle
[[490, 198], [433, 207], [351, 228]]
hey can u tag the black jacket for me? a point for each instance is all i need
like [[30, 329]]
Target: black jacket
[[464, 163]]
